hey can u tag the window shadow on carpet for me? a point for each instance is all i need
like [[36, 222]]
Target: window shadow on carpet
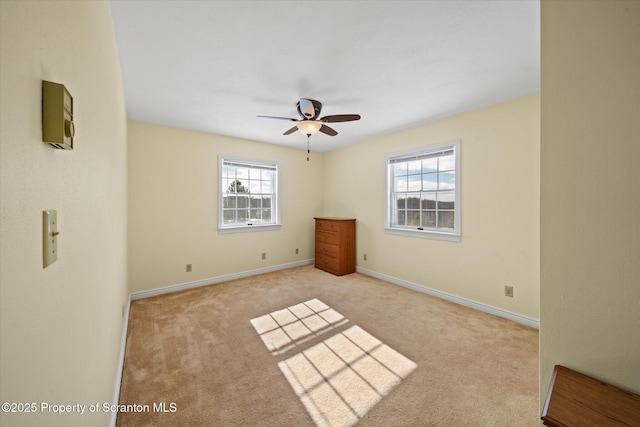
[[339, 379], [284, 329]]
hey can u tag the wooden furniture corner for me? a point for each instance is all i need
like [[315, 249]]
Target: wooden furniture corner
[[575, 399]]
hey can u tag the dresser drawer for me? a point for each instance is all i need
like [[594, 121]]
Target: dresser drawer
[[328, 237], [331, 226], [325, 262], [327, 249]]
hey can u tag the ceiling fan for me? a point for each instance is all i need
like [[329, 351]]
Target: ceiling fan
[[309, 123]]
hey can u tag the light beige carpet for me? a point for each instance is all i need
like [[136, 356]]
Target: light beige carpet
[[301, 347]]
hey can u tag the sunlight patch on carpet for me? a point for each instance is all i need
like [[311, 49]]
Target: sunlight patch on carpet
[[282, 330], [339, 379]]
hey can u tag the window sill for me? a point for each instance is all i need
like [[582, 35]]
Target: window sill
[[248, 228], [425, 234]]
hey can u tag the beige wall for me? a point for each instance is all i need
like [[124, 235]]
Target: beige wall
[[500, 207], [173, 207], [590, 190], [61, 326]]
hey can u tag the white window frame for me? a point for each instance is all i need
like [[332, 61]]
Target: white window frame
[[454, 235], [275, 208]]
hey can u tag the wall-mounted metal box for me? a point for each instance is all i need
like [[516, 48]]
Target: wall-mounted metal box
[[57, 116]]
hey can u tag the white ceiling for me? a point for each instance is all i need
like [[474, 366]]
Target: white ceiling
[[213, 66]]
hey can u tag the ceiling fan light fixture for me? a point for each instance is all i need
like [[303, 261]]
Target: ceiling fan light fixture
[[309, 127]]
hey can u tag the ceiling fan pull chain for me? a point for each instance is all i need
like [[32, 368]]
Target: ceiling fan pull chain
[[308, 148]]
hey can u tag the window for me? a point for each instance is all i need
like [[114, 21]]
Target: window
[[423, 192], [248, 195]]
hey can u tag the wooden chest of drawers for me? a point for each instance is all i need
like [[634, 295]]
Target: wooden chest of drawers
[[336, 245]]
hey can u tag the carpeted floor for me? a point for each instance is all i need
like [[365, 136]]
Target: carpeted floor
[[301, 347]]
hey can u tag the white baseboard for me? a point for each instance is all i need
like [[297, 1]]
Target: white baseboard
[[213, 280], [524, 320], [123, 346]]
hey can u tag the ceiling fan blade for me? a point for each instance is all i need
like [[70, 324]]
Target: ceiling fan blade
[[340, 118], [328, 130], [278, 118], [290, 131]]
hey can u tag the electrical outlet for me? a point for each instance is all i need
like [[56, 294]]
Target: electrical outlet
[[508, 291], [189, 268], [364, 257], [264, 255], [297, 251]]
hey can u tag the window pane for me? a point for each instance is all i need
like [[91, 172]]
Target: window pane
[[401, 183], [243, 202], [228, 171], [229, 202], [267, 187], [401, 201], [266, 201], [242, 173], [268, 175], [255, 174], [448, 163], [430, 165], [266, 215], [446, 200], [401, 217], [243, 215], [414, 167], [414, 182], [428, 201], [429, 219], [447, 180], [255, 202], [413, 218], [445, 219], [255, 215], [254, 186], [229, 216], [430, 181], [413, 202], [399, 169]]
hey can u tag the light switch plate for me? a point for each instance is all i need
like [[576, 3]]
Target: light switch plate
[[49, 238]]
